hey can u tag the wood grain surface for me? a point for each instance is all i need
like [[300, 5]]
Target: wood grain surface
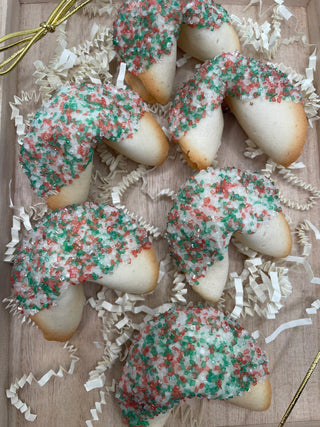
[[64, 401]]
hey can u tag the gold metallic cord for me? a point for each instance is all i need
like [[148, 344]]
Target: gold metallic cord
[[300, 389], [29, 37]]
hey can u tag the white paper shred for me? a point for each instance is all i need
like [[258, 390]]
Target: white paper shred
[[12, 306], [311, 310], [122, 323], [111, 307], [129, 180], [115, 197], [20, 218], [253, 2], [165, 192], [276, 292], [151, 229], [123, 339], [123, 186], [96, 382], [284, 12], [12, 392], [66, 61], [163, 267], [15, 238], [314, 307], [183, 60], [97, 409], [99, 8], [313, 60], [314, 229], [18, 119], [94, 30], [288, 325], [292, 179], [179, 289], [235, 314], [152, 311], [297, 165], [122, 72], [91, 60], [307, 267], [309, 74], [255, 334], [266, 286], [143, 309], [315, 280]]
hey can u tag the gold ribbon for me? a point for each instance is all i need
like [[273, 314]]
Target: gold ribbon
[[300, 389], [29, 37]]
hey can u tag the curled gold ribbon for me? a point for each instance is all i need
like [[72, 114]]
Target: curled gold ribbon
[[29, 37]]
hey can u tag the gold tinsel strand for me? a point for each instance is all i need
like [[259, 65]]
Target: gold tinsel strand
[[27, 38]]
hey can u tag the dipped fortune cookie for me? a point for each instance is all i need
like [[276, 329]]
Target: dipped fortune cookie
[[69, 246], [57, 150], [146, 34], [264, 101], [213, 206], [191, 352]]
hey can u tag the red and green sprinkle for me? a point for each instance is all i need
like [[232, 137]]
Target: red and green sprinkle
[[60, 140], [183, 353], [147, 29], [209, 208], [70, 246], [229, 74]]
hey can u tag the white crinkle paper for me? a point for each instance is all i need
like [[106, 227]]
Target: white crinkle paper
[[12, 392]]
